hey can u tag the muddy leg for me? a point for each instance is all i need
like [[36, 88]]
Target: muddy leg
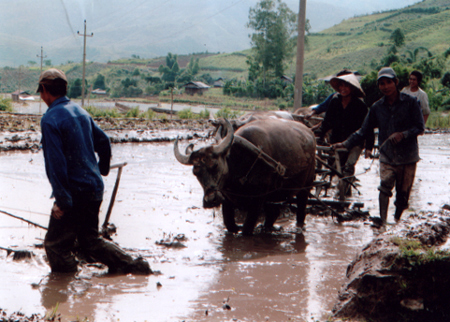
[[271, 213], [228, 217], [383, 201], [251, 219], [302, 198]]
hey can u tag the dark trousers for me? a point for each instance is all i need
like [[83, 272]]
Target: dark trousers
[[80, 224]]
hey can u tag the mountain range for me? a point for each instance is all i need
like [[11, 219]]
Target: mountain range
[[145, 28]]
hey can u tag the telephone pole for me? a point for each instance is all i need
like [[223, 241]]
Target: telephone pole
[[84, 61], [42, 58], [300, 55]]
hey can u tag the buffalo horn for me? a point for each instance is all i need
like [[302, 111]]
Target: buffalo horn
[[227, 140], [182, 158]]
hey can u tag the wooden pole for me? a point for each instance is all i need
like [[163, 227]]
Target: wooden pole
[[300, 55]]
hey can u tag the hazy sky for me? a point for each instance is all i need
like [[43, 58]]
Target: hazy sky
[[148, 28]]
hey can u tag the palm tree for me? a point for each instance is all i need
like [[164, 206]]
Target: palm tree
[[413, 55]]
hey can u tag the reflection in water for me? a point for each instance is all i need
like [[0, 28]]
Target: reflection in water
[[278, 276], [239, 247]]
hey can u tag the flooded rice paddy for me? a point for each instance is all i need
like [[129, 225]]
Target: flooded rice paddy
[[206, 274]]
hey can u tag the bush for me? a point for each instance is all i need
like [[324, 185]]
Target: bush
[[228, 113], [205, 114], [134, 112], [6, 104], [186, 114]]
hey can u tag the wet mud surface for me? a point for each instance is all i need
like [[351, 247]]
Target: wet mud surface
[[205, 273]]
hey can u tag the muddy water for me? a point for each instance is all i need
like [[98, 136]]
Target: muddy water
[[215, 276]]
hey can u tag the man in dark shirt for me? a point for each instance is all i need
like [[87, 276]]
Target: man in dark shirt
[[70, 141], [399, 120]]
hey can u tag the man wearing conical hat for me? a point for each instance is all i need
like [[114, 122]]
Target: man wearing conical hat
[[399, 120], [345, 115]]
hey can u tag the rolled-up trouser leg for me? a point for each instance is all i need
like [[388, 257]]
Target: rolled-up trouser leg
[[348, 170], [101, 250], [387, 182], [405, 179], [59, 245]]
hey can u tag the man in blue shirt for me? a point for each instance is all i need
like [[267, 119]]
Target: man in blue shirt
[[399, 120], [70, 141]]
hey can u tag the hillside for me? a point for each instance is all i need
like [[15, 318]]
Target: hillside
[[356, 42]]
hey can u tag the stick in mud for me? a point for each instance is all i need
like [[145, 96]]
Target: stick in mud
[[23, 219]]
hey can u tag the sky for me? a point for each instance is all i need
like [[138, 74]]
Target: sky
[[148, 28]]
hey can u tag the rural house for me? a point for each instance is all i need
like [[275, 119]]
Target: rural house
[[192, 88]]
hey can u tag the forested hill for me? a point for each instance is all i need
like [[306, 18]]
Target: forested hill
[[361, 42]]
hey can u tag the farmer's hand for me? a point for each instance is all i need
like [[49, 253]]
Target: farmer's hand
[[396, 137], [309, 115], [57, 213], [338, 146]]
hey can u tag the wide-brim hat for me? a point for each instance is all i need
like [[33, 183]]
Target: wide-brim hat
[[350, 79]]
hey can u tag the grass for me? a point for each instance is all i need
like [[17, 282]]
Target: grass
[[438, 120], [418, 254], [6, 104]]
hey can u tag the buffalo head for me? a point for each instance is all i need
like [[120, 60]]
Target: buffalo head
[[210, 165]]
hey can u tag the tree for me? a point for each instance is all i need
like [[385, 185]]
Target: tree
[[75, 89], [413, 55], [136, 72], [171, 70], [99, 82], [272, 41], [397, 37], [47, 62]]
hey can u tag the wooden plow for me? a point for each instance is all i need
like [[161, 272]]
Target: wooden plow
[[328, 167]]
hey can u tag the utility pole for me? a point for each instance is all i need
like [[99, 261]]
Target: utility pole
[[42, 58], [84, 61], [300, 54]]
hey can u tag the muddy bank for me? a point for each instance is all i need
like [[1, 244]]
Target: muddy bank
[[401, 275], [22, 131]]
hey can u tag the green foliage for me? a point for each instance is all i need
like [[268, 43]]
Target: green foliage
[[205, 114], [75, 89], [134, 112], [397, 37], [150, 114], [96, 112], [127, 88], [6, 104], [171, 70], [445, 80], [136, 72], [228, 113], [99, 82], [272, 41], [188, 114], [418, 254]]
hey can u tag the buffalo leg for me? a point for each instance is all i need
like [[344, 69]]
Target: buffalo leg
[[251, 219], [271, 212], [228, 217], [302, 198]]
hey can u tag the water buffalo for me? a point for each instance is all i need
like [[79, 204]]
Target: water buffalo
[[263, 162]]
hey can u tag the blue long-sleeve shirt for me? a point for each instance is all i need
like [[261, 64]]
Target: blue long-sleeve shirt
[[405, 116], [323, 107], [70, 139]]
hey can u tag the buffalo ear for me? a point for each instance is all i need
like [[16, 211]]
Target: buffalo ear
[[181, 157]]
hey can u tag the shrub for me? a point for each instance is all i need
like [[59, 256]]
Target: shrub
[[6, 104], [228, 113], [186, 114], [134, 112], [204, 114]]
